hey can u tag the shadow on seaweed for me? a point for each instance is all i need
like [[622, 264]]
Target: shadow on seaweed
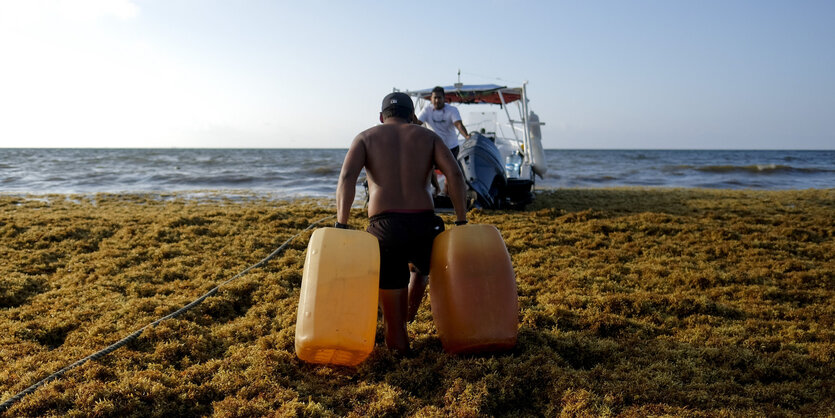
[[51, 336], [18, 288], [642, 371], [669, 201]]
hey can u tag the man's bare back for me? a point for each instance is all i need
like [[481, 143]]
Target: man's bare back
[[398, 158]]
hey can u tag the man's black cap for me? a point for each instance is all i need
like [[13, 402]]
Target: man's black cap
[[398, 99]]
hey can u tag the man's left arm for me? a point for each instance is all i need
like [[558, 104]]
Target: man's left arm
[[347, 187], [460, 125], [456, 121]]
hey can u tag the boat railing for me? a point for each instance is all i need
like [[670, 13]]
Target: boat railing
[[519, 128]]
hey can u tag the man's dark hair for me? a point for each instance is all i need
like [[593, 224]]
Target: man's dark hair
[[398, 112], [439, 90]]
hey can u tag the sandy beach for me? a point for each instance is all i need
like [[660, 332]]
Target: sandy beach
[[633, 302]]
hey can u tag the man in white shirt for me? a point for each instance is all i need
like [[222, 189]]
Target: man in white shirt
[[444, 120]]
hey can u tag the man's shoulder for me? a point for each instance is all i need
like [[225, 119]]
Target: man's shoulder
[[426, 133], [422, 130], [406, 129], [374, 129], [392, 129]]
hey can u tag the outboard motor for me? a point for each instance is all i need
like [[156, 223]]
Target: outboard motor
[[483, 170]]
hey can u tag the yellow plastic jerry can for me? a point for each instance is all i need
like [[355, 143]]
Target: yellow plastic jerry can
[[337, 316], [472, 290]]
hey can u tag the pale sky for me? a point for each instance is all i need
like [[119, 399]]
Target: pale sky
[[293, 74]]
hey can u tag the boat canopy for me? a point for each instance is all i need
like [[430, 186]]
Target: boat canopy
[[474, 93]]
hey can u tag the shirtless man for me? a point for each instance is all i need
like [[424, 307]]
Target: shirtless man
[[398, 157]]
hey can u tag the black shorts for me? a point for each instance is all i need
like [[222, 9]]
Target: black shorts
[[404, 238], [455, 151]]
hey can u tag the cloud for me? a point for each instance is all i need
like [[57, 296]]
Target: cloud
[[34, 11], [97, 9]]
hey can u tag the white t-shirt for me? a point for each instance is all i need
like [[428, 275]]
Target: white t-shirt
[[441, 121]]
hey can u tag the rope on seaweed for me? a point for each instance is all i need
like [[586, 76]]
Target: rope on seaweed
[[99, 354]]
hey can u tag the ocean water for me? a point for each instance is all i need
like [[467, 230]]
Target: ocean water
[[764, 170], [314, 172]]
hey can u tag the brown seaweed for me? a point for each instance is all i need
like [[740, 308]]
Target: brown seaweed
[[634, 302]]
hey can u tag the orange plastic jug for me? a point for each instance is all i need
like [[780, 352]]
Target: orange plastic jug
[[472, 290], [337, 317]]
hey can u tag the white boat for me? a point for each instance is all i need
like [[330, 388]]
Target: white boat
[[500, 168]]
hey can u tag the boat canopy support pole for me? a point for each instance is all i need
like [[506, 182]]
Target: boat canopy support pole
[[504, 105], [525, 121]]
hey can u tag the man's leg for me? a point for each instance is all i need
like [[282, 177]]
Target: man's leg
[[417, 289], [394, 303]]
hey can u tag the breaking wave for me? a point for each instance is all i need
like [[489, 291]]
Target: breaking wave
[[759, 169]]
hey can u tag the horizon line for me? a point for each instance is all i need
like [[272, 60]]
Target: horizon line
[[345, 148]]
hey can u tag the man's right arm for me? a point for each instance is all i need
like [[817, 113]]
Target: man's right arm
[[347, 187], [456, 188]]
